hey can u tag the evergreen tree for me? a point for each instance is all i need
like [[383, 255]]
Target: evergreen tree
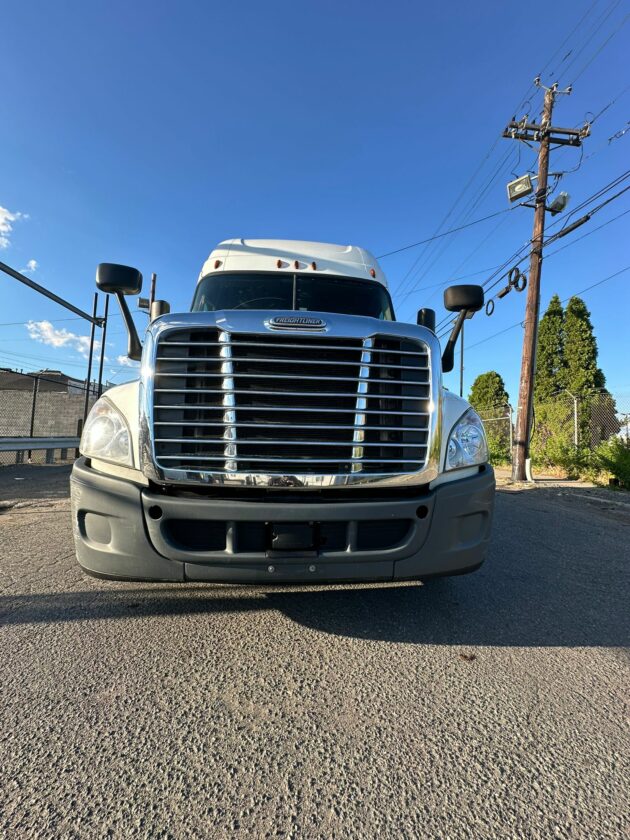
[[567, 362], [490, 399], [550, 357], [488, 391], [580, 350]]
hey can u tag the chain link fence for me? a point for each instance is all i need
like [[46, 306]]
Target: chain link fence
[[498, 422], [568, 431], [46, 404]]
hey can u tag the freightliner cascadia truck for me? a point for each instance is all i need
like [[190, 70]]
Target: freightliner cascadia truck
[[286, 429]]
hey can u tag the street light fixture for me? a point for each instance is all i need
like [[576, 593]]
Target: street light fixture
[[520, 187], [559, 204]]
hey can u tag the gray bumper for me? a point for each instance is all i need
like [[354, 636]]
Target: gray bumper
[[123, 530]]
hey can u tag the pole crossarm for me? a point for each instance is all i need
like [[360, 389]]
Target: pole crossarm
[[17, 275], [534, 133], [538, 128], [535, 138]]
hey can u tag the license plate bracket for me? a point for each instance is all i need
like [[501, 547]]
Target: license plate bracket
[[292, 536]]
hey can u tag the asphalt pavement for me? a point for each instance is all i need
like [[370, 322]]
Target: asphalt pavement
[[487, 706]]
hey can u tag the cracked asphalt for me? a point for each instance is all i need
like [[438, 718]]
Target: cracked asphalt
[[487, 706]]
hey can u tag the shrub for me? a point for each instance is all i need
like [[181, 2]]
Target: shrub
[[563, 456], [613, 456]]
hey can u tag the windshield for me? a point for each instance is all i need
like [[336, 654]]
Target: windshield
[[304, 293]]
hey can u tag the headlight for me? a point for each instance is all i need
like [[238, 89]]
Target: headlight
[[106, 435], [467, 443]]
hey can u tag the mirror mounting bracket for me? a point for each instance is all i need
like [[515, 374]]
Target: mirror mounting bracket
[[134, 347], [448, 356]]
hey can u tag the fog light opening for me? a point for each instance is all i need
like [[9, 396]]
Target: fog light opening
[[155, 512], [422, 512]]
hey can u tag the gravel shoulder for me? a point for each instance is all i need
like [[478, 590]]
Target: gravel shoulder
[[488, 706]]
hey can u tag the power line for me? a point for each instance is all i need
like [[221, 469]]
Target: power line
[[415, 270], [610, 186], [602, 46], [448, 215], [610, 104], [566, 40], [50, 320], [597, 25], [27, 357], [588, 233], [557, 250], [598, 149], [445, 233], [468, 184], [498, 269], [63, 320], [564, 300], [581, 206], [560, 233], [599, 22], [490, 285], [422, 271], [477, 247], [465, 213]]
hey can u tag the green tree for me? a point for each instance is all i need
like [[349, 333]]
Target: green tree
[[580, 350], [550, 356], [490, 400], [488, 391], [567, 369]]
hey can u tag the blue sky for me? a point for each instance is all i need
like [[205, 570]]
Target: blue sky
[[144, 133]]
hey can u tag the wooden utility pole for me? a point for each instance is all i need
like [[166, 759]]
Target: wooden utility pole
[[532, 308], [544, 134]]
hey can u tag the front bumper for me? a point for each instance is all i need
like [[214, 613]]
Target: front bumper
[[126, 531]]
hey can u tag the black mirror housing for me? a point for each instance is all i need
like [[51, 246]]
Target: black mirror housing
[[466, 298], [121, 280], [426, 318], [118, 279]]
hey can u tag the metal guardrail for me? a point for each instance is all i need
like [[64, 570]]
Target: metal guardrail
[[23, 444]]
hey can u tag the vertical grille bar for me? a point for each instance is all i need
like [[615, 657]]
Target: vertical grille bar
[[228, 402], [360, 418]]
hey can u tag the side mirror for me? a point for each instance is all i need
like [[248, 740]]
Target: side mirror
[[121, 280], [426, 318], [466, 300], [463, 298], [118, 279]]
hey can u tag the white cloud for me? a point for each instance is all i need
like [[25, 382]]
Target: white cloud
[[31, 267], [45, 333], [6, 225], [125, 361]]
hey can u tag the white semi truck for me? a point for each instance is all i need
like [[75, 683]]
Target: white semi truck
[[286, 429]]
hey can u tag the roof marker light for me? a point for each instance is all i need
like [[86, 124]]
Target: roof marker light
[[314, 266], [296, 264], [373, 272], [217, 263], [279, 263]]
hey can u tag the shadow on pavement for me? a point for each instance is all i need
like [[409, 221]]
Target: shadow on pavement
[[554, 577], [474, 610]]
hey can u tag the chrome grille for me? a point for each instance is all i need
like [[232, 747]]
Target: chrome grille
[[290, 404]]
